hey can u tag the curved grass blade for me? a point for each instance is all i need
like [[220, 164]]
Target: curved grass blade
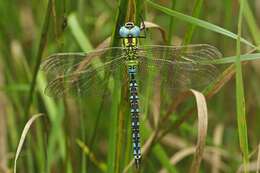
[[202, 130], [153, 25], [23, 136]]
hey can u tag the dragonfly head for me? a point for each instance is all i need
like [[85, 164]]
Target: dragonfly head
[[129, 30], [129, 33]]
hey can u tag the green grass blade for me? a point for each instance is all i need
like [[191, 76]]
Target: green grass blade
[[112, 145], [164, 159], [78, 33], [240, 98], [251, 21], [56, 116], [117, 110], [197, 22], [140, 11], [232, 59], [43, 41], [102, 166], [196, 12], [171, 24]]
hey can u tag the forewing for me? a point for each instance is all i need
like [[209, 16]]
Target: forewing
[[76, 73], [64, 63], [179, 68], [196, 52]]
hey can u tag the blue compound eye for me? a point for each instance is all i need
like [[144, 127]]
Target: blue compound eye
[[135, 31], [124, 32]]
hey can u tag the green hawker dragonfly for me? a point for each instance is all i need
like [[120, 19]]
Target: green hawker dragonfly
[[179, 67]]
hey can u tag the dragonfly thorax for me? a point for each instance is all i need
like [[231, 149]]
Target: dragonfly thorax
[[130, 42], [130, 53]]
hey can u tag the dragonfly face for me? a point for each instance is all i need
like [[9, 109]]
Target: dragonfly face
[[129, 32]]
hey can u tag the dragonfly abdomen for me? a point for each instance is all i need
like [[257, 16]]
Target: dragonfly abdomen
[[134, 107]]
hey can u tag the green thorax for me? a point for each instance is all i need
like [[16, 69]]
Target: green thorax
[[130, 45]]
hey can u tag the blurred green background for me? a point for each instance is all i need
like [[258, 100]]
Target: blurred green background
[[83, 131]]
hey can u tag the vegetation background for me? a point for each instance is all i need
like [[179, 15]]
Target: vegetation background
[[88, 134]]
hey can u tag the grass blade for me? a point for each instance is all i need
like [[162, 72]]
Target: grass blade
[[78, 33], [102, 166], [196, 12], [23, 136], [240, 98], [252, 25], [258, 160], [232, 59], [202, 130], [43, 41], [118, 107], [170, 29], [3, 127], [198, 22], [216, 155], [41, 48], [164, 159]]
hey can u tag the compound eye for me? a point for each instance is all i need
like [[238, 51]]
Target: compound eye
[[124, 32], [135, 31]]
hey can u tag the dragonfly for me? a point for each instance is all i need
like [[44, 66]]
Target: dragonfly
[[179, 67]]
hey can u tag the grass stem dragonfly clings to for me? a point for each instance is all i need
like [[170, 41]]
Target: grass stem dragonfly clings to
[[179, 67]]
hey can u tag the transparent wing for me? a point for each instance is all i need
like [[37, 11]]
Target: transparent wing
[[75, 72], [65, 63], [179, 67], [181, 53]]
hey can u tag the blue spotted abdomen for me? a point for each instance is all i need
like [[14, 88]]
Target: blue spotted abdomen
[[134, 107]]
